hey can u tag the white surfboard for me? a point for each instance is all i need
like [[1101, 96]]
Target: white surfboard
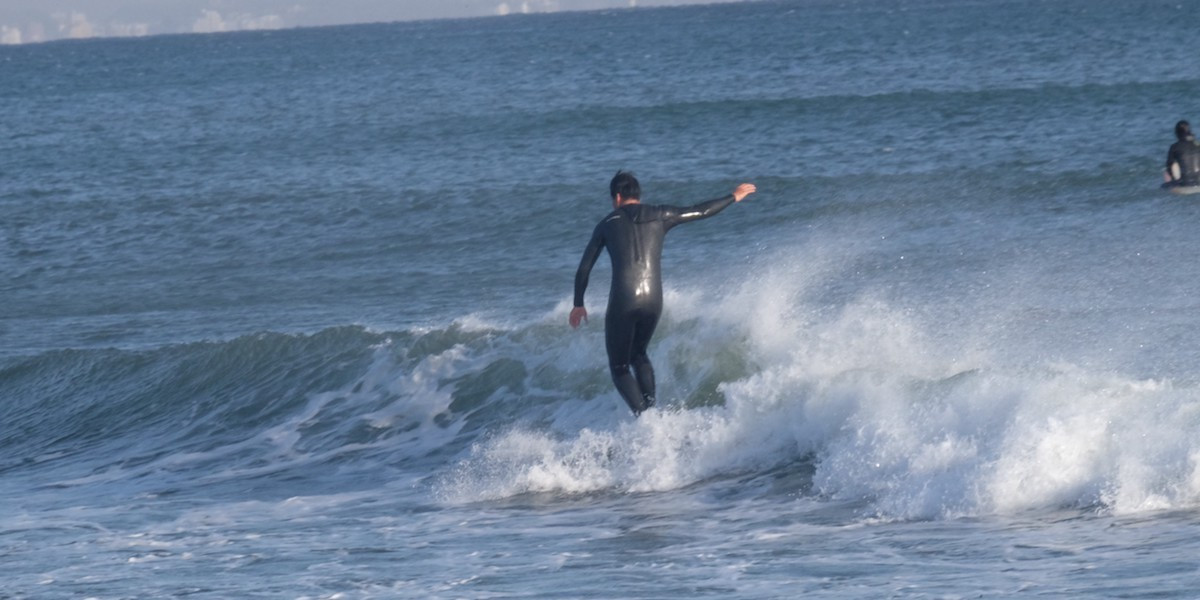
[[1184, 190]]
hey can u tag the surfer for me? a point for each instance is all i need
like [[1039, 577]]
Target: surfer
[[1183, 159], [633, 235]]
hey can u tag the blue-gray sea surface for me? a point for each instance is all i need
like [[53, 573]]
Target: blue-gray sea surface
[[283, 314]]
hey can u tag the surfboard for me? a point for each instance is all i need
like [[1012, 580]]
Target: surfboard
[[1184, 190]]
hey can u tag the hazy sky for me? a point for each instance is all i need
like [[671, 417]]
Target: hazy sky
[[26, 21]]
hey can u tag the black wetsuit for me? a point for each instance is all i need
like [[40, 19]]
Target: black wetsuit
[[1187, 154], [633, 235]]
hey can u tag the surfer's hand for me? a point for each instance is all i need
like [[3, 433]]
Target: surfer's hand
[[742, 191], [578, 315]]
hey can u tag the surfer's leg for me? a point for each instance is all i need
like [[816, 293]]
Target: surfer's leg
[[619, 338], [628, 388], [640, 359]]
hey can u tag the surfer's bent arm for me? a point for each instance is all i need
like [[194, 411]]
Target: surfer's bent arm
[[590, 254]]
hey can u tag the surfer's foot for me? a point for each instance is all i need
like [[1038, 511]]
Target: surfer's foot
[[647, 403]]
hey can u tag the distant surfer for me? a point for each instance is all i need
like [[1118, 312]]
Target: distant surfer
[[633, 235], [1183, 159]]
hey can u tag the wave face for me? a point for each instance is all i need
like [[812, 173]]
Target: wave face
[[862, 401]]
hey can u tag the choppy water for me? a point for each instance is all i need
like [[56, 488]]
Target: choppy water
[[284, 313]]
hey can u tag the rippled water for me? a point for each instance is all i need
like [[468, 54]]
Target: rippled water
[[285, 312]]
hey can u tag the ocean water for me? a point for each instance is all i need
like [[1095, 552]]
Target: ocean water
[[283, 314]]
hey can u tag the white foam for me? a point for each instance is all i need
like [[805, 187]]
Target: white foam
[[920, 420]]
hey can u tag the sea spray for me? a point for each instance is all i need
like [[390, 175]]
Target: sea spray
[[917, 429]]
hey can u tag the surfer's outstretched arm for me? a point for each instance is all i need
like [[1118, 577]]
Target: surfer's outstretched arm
[[707, 209]]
